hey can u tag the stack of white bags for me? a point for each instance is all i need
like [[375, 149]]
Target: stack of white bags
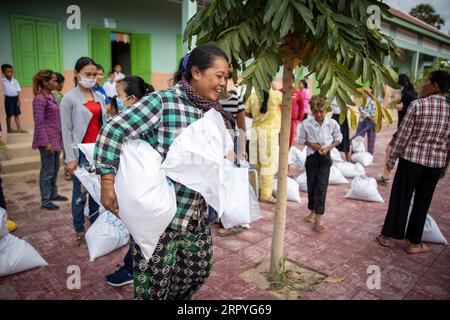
[[16, 255], [359, 152]]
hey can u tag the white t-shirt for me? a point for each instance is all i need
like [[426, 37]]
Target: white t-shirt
[[323, 134], [10, 88], [118, 76]]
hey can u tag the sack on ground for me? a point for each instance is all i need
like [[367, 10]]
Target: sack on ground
[[105, 235], [358, 144], [255, 209], [336, 155], [364, 188], [146, 198], [196, 158], [350, 170], [297, 157], [17, 255], [336, 176], [292, 191], [302, 182], [3, 219], [236, 187], [364, 158]]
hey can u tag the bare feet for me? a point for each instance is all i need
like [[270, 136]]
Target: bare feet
[[319, 227], [311, 217]]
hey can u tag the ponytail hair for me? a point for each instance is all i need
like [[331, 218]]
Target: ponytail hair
[[39, 80]]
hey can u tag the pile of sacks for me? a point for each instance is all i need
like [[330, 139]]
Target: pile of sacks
[[16, 255]]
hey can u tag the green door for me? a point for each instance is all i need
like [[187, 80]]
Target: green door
[[101, 47], [25, 50], [48, 45], [141, 56]]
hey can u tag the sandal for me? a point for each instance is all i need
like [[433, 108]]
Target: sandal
[[382, 181], [228, 232], [421, 249], [310, 218], [81, 241], [271, 200], [319, 227], [383, 242]]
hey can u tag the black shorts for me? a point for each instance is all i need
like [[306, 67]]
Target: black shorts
[[11, 107]]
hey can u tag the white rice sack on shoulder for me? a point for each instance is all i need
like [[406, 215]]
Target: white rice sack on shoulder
[[364, 188], [350, 170], [336, 176], [336, 155], [302, 182], [17, 255], [292, 191], [364, 158], [358, 144]]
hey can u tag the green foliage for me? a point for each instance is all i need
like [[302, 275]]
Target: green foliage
[[427, 14], [329, 37]]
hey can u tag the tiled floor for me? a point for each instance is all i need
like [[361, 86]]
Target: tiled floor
[[346, 249]]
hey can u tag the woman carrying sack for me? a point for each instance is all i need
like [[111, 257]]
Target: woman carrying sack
[[182, 260]]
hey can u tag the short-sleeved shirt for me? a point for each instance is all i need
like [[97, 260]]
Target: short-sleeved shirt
[[11, 88], [95, 124], [233, 104]]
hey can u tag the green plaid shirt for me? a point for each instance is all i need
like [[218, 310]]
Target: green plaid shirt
[[157, 118]]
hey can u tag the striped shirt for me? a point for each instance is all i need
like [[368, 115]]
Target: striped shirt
[[233, 104], [157, 118], [423, 136], [47, 124]]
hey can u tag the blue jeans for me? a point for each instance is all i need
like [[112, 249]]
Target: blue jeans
[[79, 200], [48, 175]]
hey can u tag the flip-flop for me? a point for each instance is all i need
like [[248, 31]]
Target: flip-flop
[[382, 181], [310, 218], [384, 243], [423, 248], [319, 227]]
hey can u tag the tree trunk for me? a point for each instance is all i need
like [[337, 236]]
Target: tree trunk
[[280, 211]]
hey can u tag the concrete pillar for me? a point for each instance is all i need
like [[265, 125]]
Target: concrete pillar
[[414, 64], [189, 9]]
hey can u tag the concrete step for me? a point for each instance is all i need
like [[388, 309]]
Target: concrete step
[[16, 151], [20, 138], [21, 164]]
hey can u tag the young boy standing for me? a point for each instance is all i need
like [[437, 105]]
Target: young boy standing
[[319, 134], [11, 90]]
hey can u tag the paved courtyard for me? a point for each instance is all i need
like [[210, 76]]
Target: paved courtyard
[[346, 249]]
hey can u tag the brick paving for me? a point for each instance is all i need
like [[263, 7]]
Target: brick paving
[[346, 249]]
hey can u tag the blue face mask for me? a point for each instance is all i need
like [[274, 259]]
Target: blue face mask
[[120, 104]]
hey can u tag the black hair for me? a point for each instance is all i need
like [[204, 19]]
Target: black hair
[[59, 78], [100, 67], [264, 107], [404, 81], [110, 73], [81, 63], [136, 86], [6, 66], [201, 57], [442, 79], [305, 83]]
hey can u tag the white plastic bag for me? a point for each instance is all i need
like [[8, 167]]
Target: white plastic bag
[[350, 170], [255, 210], [292, 190], [297, 157], [431, 232], [91, 183], [88, 150], [364, 188], [336, 155], [196, 158], [146, 198], [105, 235], [358, 144], [17, 255], [336, 176], [364, 158], [302, 182], [3, 226], [236, 186]]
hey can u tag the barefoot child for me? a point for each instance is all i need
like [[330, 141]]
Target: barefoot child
[[320, 134], [11, 90]]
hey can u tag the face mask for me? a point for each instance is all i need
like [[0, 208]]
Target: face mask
[[120, 104], [87, 83]]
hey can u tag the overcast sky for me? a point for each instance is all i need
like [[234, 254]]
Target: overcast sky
[[440, 6]]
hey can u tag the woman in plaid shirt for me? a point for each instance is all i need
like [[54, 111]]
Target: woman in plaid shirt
[[422, 146], [183, 257]]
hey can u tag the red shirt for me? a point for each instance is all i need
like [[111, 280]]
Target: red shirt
[[94, 125]]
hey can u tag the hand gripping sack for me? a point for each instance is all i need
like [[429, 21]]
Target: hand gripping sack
[[302, 182], [236, 186], [196, 158], [292, 191], [364, 188], [336, 176], [358, 144], [105, 235], [350, 170], [364, 158], [431, 232], [146, 198], [17, 255], [336, 155]]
